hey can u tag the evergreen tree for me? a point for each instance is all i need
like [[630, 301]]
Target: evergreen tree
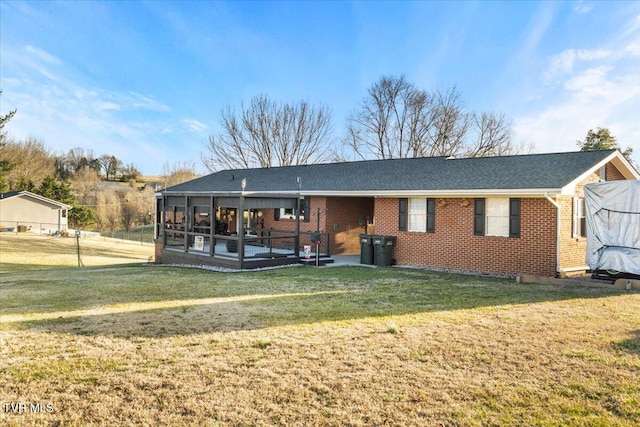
[[601, 139]]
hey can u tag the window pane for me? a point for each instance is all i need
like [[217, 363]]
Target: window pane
[[417, 215], [497, 217]]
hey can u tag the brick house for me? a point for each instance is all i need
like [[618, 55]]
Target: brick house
[[493, 215]]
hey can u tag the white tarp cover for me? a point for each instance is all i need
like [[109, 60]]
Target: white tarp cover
[[612, 211]]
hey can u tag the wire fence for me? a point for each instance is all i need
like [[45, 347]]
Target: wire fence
[[142, 234], [42, 228]]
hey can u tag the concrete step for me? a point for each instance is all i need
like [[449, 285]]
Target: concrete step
[[323, 260]]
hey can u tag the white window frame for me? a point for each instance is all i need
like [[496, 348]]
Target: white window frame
[[290, 215], [497, 216]]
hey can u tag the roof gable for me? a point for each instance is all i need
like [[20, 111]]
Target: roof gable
[[35, 197], [540, 172]]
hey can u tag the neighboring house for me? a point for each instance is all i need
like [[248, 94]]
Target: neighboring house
[[492, 215], [22, 211]]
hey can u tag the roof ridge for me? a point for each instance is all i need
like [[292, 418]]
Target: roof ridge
[[415, 159]]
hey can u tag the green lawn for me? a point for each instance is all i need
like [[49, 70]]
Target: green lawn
[[354, 346]]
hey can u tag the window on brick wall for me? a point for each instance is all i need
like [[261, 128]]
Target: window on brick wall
[[417, 214], [285, 213], [497, 216], [579, 220]]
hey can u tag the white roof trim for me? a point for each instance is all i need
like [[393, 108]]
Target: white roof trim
[[618, 161], [524, 192], [39, 198], [519, 192]]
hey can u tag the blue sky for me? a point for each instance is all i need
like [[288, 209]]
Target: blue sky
[[146, 81]]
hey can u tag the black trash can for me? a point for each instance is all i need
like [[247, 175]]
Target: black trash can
[[383, 250], [366, 249]]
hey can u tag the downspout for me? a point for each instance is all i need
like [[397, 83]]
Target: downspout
[[557, 205]]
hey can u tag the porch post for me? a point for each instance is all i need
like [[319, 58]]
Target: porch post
[[186, 223], [296, 238], [163, 221], [240, 229], [212, 227]]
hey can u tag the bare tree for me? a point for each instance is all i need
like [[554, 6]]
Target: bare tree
[[28, 160], [107, 209], [178, 173], [83, 184], [75, 160], [392, 120], [267, 133], [397, 120], [130, 208], [489, 135], [449, 123], [110, 164]]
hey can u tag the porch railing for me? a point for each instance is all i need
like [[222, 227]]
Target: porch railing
[[258, 243]]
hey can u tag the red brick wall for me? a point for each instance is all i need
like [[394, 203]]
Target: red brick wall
[[612, 173], [158, 249], [453, 245], [338, 216], [342, 218], [290, 224]]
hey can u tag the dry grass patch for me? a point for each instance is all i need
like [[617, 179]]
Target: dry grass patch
[[306, 346], [26, 252]]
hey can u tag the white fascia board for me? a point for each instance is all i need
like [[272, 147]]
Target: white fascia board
[[44, 199], [279, 194], [626, 168], [521, 192], [618, 161]]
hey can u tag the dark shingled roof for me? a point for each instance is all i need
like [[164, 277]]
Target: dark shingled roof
[[532, 171]]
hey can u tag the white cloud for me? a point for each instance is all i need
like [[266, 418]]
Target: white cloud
[[42, 55], [58, 106], [590, 99], [633, 49], [565, 62], [590, 83], [146, 102], [106, 106], [195, 125], [587, 88], [30, 58], [540, 23], [582, 8]]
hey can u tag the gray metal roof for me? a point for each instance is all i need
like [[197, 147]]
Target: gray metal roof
[[532, 171]]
